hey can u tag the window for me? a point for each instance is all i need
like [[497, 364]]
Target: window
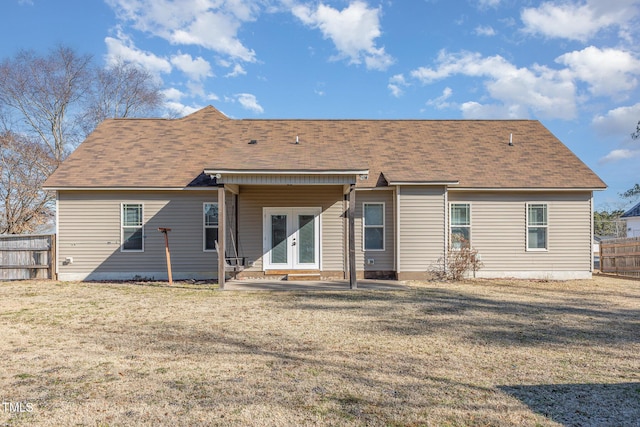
[[460, 220], [537, 227], [373, 223], [210, 221], [132, 229]]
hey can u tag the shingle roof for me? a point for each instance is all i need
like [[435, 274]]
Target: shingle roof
[[173, 153]]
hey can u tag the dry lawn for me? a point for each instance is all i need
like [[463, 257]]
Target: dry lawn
[[456, 354]]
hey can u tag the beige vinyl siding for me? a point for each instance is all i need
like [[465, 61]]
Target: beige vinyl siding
[[421, 227], [383, 260], [89, 233], [499, 230], [252, 200]]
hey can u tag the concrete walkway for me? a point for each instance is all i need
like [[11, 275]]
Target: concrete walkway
[[323, 285]]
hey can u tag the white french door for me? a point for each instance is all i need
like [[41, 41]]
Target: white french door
[[291, 238]]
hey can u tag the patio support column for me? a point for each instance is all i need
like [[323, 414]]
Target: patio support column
[[351, 201], [222, 236]]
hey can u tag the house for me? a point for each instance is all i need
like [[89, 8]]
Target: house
[[325, 198], [632, 219]]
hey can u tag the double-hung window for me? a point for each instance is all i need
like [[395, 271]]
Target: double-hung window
[[210, 225], [373, 222], [460, 223], [132, 227], [537, 227]]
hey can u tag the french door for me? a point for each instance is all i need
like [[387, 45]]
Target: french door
[[291, 238]]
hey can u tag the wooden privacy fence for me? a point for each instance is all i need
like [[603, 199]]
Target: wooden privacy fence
[[27, 256], [620, 256]]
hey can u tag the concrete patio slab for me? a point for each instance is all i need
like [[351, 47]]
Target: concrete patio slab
[[321, 285]]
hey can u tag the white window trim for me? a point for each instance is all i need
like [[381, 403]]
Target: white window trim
[[204, 227], [470, 224], [384, 227], [122, 226], [546, 226]]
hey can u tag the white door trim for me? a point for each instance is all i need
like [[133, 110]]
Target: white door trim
[[292, 238]]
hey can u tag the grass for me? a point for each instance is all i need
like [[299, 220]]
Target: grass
[[452, 354]]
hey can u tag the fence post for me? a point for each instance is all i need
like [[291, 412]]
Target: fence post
[[601, 266], [53, 258]]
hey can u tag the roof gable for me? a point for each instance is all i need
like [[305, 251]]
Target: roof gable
[[173, 153]]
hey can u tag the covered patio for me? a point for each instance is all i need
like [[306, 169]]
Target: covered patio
[[286, 222]]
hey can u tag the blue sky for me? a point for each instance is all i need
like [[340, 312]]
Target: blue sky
[[572, 64]]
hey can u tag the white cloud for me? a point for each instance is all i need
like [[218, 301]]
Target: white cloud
[[238, 70], [607, 71], [352, 30], [440, 102], [489, 3], [548, 93], [215, 31], [180, 110], [485, 31], [173, 94], [123, 49], [196, 89], [196, 69], [396, 90], [209, 24], [396, 83], [619, 154], [579, 20], [475, 110], [249, 102], [619, 121]]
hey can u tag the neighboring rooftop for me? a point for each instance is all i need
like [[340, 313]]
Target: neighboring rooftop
[[173, 153], [634, 211]]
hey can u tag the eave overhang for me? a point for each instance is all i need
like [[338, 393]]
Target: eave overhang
[[126, 188], [529, 189]]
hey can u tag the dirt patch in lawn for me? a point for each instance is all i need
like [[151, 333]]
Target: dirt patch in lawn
[[473, 353]]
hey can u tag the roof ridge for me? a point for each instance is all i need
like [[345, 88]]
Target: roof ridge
[[386, 120]]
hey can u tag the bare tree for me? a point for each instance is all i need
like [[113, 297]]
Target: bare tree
[[631, 193], [41, 93], [121, 90], [48, 104], [607, 223], [634, 191], [24, 165]]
